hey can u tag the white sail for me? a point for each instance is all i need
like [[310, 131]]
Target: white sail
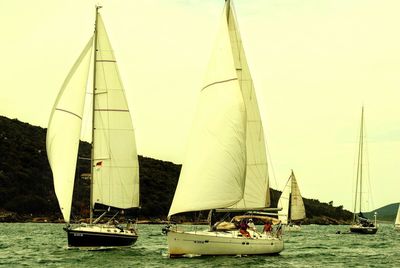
[[213, 172], [116, 169], [397, 222], [256, 194], [64, 128], [297, 210], [283, 202], [291, 198]]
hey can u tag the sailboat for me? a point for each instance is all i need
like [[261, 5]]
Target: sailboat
[[225, 168], [397, 222], [361, 224], [292, 205], [114, 162]]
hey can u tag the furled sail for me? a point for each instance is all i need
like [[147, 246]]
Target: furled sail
[[297, 210], [62, 146], [213, 172], [256, 194], [115, 163]]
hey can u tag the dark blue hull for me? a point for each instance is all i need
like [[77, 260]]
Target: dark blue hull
[[90, 239], [364, 230]]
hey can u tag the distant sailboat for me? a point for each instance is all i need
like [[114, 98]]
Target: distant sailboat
[[225, 168], [292, 205], [361, 224], [397, 222], [114, 163]]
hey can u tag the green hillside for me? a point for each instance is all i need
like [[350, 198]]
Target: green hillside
[[26, 185], [385, 213]]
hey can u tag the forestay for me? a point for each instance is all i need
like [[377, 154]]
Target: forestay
[[284, 202]]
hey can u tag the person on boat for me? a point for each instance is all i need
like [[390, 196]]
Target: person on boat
[[267, 227], [364, 221], [243, 228], [251, 225], [279, 229]]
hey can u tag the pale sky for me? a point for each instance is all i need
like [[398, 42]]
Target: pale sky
[[314, 64]]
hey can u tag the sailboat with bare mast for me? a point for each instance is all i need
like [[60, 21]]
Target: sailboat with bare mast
[[114, 163], [361, 224]]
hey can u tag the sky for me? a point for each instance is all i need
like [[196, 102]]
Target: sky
[[314, 64]]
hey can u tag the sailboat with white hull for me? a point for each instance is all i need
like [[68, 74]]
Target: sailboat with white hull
[[225, 168], [114, 163], [361, 224], [397, 221], [292, 204]]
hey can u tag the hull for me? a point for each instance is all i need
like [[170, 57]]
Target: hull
[[363, 230], [100, 236], [397, 227], [221, 243], [292, 228]]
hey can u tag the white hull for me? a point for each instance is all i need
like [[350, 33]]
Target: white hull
[[221, 243], [292, 228], [397, 227]]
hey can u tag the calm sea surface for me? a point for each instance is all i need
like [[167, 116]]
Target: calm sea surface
[[40, 244]]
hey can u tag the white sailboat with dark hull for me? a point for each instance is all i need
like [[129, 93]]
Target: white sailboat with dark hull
[[361, 224], [225, 168], [114, 163], [292, 204]]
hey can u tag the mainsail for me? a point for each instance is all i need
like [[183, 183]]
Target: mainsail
[[225, 165], [62, 146], [256, 192], [116, 169], [297, 210], [291, 202]]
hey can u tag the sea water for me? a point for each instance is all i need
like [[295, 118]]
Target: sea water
[[44, 244]]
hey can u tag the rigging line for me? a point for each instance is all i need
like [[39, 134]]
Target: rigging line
[[369, 193]]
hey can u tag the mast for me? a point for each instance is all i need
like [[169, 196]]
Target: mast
[[359, 165], [361, 152], [93, 109], [228, 8]]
